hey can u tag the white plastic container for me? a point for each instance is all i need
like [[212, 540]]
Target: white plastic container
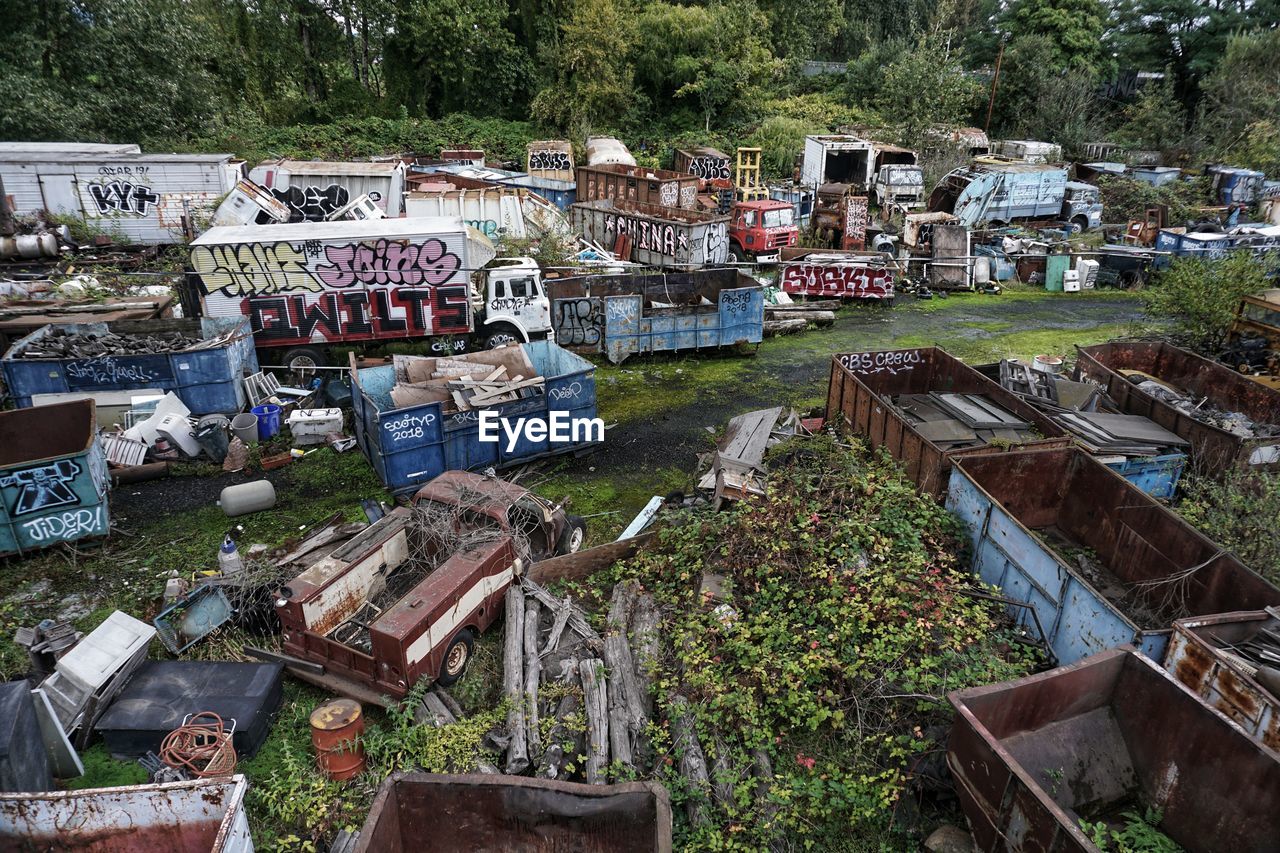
[[247, 497], [1071, 281], [178, 430], [310, 426]]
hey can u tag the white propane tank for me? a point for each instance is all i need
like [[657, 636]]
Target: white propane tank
[[247, 497]]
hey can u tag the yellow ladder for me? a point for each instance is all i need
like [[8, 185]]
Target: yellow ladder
[[748, 186]]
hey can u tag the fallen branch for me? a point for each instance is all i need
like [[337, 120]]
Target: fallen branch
[[513, 680], [556, 758], [626, 716], [577, 619], [595, 700], [532, 672], [693, 763]]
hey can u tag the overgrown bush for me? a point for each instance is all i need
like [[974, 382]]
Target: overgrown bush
[[1124, 199], [1240, 511], [1200, 295]]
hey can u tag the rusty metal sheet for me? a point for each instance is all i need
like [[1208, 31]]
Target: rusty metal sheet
[[1033, 757], [636, 184], [427, 812]]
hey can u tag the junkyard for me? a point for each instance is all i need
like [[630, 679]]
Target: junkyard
[[865, 440]]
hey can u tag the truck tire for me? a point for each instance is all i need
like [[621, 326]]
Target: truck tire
[[1079, 225], [456, 657], [302, 359], [501, 334], [737, 255], [575, 533]]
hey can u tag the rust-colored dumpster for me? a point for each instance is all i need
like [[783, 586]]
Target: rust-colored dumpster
[[1196, 658], [862, 384], [1213, 449], [1102, 562], [1113, 733], [421, 812], [616, 182]]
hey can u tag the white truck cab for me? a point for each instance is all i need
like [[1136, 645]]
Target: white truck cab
[[899, 184], [512, 305]]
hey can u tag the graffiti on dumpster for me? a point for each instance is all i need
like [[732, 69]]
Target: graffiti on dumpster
[[549, 161], [67, 525], [106, 370], [42, 487], [891, 361], [735, 301], [579, 322], [841, 280]]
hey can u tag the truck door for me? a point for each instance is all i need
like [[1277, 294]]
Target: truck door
[[58, 192], [530, 303]]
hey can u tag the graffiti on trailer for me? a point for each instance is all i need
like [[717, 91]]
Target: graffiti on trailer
[[855, 218], [710, 168], [365, 314], [549, 161], [579, 322], [68, 525], [42, 487], [312, 204], [122, 197], [842, 280], [647, 235], [253, 268], [885, 361], [388, 262]]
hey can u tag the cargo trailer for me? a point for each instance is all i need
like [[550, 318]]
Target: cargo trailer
[[1111, 734], [655, 236], [1101, 562], [829, 274], [314, 190]]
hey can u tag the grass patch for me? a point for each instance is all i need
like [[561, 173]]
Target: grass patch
[[609, 500]]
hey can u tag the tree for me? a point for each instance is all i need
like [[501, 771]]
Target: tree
[[802, 29], [926, 88], [1072, 31], [1200, 295], [593, 73], [1242, 97], [1039, 99], [1155, 120]]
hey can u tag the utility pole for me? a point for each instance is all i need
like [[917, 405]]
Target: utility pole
[[995, 79]]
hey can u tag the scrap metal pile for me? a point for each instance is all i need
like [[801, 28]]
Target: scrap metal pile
[[61, 343], [962, 420], [1237, 423]]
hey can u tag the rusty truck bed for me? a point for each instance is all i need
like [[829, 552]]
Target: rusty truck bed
[[1033, 757]]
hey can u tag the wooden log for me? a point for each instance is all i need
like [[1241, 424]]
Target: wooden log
[[783, 327], [532, 673], [449, 701], [644, 648], [577, 619], [432, 712], [766, 808], [513, 680], [693, 763], [562, 612], [626, 717], [722, 775], [596, 701], [818, 318], [561, 740]]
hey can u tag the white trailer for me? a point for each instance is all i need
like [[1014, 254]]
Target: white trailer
[[500, 213], [315, 189], [141, 198], [837, 159]]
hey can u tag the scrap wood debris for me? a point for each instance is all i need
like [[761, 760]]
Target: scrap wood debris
[[465, 382], [736, 468]]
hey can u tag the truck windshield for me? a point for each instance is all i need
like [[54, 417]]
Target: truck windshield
[[903, 177], [782, 218]]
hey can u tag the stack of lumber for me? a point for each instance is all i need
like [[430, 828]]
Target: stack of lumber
[[737, 467], [466, 382]]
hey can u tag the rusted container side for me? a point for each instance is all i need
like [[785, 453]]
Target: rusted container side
[[1029, 513], [424, 812], [1033, 757], [704, 163], [1195, 658], [858, 400], [637, 184], [1213, 449]]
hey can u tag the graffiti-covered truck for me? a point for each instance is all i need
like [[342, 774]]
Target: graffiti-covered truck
[[305, 287]]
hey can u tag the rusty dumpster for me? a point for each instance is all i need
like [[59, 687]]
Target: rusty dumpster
[[1100, 561], [1212, 385], [859, 399], [1110, 734], [1199, 656], [637, 184], [425, 812]]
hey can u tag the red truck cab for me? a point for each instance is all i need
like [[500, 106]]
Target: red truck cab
[[759, 230]]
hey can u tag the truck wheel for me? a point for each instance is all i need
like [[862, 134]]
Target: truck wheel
[[501, 335], [737, 255], [304, 359], [1079, 225], [456, 657], [573, 536]]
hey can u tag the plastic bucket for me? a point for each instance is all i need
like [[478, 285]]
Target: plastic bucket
[[245, 426], [213, 440], [268, 420]]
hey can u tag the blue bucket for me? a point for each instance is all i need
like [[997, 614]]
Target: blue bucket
[[268, 420]]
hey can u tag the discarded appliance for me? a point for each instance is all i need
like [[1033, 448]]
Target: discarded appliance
[[637, 184], [515, 813], [193, 617], [1028, 151], [24, 764], [1220, 659], [411, 444], [656, 236], [53, 477], [1157, 176], [1228, 418], [1111, 734], [861, 398], [314, 189], [1101, 562], [606, 150], [394, 605], [621, 315], [154, 199], [310, 426], [250, 204], [163, 694], [202, 816], [135, 355], [1235, 186], [736, 468], [1000, 192], [550, 158]]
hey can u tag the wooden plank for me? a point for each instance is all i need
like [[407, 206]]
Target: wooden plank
[[587, 562]]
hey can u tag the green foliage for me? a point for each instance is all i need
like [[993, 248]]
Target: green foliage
[[1039, 99], [1125, 198], [1072, 30], [779, 140], [1199, 296], [926, 88], [592, 83], [400, 743], [1138, 835], [1156, 120], [846, 626], [1241, 511], [1241, 107]]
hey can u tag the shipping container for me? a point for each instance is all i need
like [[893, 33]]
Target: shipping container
[[830, 274], [1107, 739], [153, 199], [551, 159], [1101, 562], [1203, 656], [313, 190], [621, 315], [858, 401], [704, 163], [53, 477], [515, 813], [637, 184], [498, 212], [411, 445], [1208, 384], [207, 380], [201, 816], [657, 236]]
